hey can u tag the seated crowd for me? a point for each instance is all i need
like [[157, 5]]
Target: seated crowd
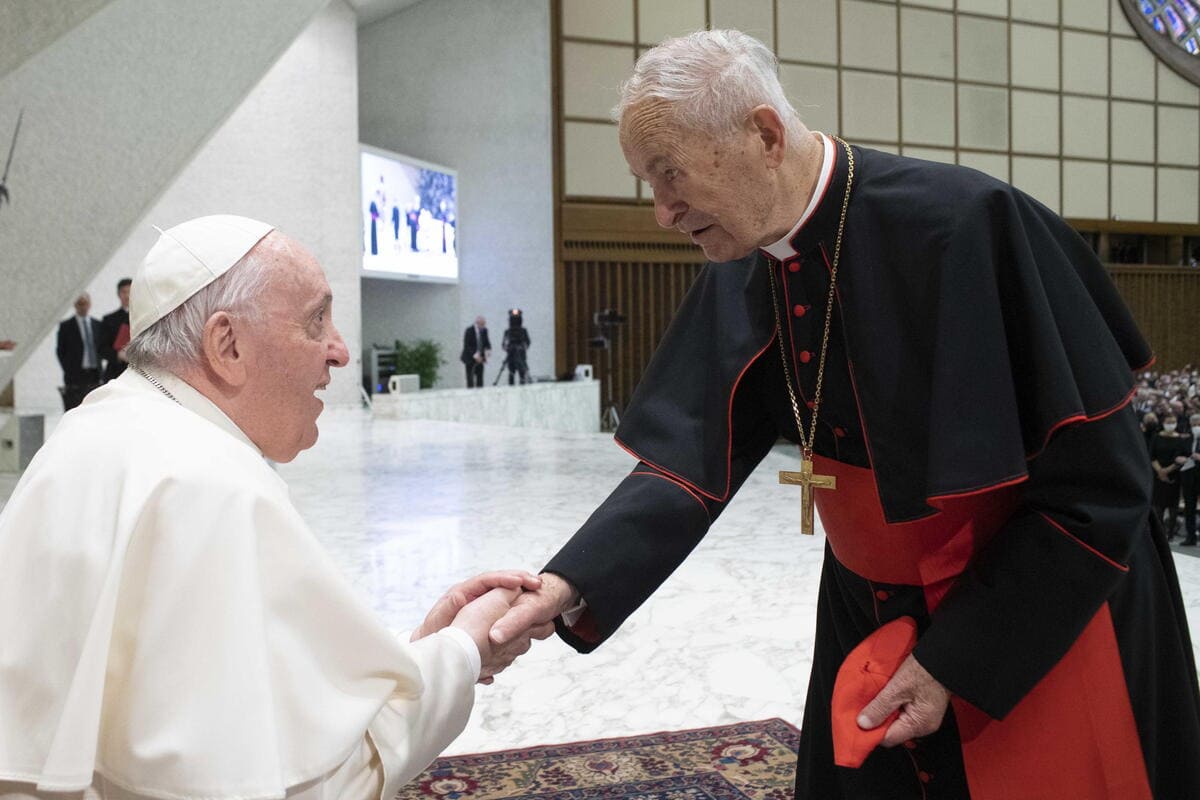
[[1168, 405]]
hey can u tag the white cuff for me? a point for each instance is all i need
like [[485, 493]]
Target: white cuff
[[468, 646], [572, 614]]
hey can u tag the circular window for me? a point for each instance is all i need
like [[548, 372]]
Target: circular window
[[1172, 30]]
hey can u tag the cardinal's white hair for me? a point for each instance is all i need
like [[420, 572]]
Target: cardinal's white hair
[[712, 79]]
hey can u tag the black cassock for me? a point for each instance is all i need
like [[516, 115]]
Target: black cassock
[[990, 471]]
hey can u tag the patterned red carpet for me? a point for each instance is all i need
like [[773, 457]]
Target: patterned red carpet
[[750, 760]]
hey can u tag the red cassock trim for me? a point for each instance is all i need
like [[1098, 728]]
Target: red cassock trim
[[1081, 418], [1074, 735]]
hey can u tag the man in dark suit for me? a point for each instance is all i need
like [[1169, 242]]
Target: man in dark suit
[[476, 346], [116, 334], [78, 350]]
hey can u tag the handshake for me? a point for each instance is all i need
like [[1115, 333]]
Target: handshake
[[503, 612]]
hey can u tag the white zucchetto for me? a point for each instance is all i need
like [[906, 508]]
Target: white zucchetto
[[184, 260]]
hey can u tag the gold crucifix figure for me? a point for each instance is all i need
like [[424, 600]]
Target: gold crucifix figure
[[807, 482]]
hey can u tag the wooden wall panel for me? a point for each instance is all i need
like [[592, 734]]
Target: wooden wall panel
[[647, 292], [1165, 301], [647, 288]]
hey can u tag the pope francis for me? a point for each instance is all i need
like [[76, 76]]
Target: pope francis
[[169, 626]]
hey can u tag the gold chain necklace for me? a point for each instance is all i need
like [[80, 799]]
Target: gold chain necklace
[[805, 478]]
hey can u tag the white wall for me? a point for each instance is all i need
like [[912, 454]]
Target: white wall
[[467, 84], [115, 107], [26, 28], [288, 155]]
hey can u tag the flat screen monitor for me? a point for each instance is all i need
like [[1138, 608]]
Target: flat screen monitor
[[410, 218]]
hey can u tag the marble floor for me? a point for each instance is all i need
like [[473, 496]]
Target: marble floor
[[409, 508]]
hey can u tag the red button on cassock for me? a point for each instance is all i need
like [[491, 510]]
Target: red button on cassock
[[794, 266], [910, 744], [811, 404], [882, 594], [839, 432], [799, 311], [805, 357], [924, 776]]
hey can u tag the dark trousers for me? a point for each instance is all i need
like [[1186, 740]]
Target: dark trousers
[[73, 393], [474, 375], [1189, 484]]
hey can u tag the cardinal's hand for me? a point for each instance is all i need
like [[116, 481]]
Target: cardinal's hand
[[921, 699]]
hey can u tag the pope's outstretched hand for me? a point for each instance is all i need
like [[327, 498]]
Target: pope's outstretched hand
[[475, 605]]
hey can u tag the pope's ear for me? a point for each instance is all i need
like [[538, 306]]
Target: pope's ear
[[222, 350]]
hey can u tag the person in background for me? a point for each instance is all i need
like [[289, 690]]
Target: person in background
[[1189, 480], [475, 350], [116, 333], [1167, 457], [1150, 428], [78, 351]]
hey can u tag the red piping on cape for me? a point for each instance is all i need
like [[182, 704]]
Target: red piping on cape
[[1084, 544], [991, 487], [1082, 418], [674, 482], [729, 442]]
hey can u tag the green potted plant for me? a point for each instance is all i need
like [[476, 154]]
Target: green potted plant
[[422, 357]]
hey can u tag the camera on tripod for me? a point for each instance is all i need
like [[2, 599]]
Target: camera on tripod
[[514, 344], [606, 321]]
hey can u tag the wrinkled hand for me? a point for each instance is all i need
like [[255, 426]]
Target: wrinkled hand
[[453, 601], [532, 614], [477, 618], [921, 699]]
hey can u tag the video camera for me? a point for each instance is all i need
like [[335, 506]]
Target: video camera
[[606, 321], [516, 341]]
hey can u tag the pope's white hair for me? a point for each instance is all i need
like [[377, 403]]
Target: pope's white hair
[[712, 79], [174, 342]]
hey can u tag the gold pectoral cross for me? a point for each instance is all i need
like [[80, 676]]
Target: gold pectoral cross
[[807, 482]]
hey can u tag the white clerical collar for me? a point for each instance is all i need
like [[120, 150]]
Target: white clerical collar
[[184, 394], [783, 249]]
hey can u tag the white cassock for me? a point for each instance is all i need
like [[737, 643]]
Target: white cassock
[[170, 628]]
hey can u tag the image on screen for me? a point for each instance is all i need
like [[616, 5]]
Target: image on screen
[[410, 218]]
